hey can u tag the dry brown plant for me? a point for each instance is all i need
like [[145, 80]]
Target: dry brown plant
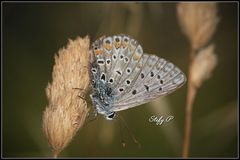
[[198, 22], [66, 111]]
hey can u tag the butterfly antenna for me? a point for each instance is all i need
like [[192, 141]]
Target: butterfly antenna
[[129, 131], [121, 133]]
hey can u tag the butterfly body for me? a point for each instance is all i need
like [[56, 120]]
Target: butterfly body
[[124, 77]]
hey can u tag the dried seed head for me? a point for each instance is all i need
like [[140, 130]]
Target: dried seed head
[[66, 112], [203, 65], [198, 21]]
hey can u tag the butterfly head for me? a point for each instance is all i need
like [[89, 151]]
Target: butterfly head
[[110, 116]]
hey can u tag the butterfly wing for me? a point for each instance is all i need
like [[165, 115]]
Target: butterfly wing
[[132, 78], [153, 77]]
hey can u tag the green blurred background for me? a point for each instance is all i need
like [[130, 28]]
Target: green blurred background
[[34, 32]]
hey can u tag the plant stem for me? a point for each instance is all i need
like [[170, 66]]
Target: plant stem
[[189, 105], [55, 154]]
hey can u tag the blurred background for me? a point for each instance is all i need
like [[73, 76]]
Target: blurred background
[[34, 32]]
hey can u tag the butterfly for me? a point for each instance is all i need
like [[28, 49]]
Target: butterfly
[[123, 76]]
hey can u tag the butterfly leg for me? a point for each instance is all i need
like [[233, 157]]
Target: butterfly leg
[[83, 91]]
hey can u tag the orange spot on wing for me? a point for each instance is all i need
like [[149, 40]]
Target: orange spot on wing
[[136, 56], [107, 46], [117, 44], [124, 44], [98, 51]]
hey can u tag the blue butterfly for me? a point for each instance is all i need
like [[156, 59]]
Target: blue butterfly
[[122, 76]]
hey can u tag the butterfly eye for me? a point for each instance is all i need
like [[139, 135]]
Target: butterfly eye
[[142, 75], [110, 116]]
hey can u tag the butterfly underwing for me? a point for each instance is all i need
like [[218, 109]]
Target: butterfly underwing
[[122, 76]]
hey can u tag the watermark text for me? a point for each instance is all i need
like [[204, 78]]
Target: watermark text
[[159, 120]]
